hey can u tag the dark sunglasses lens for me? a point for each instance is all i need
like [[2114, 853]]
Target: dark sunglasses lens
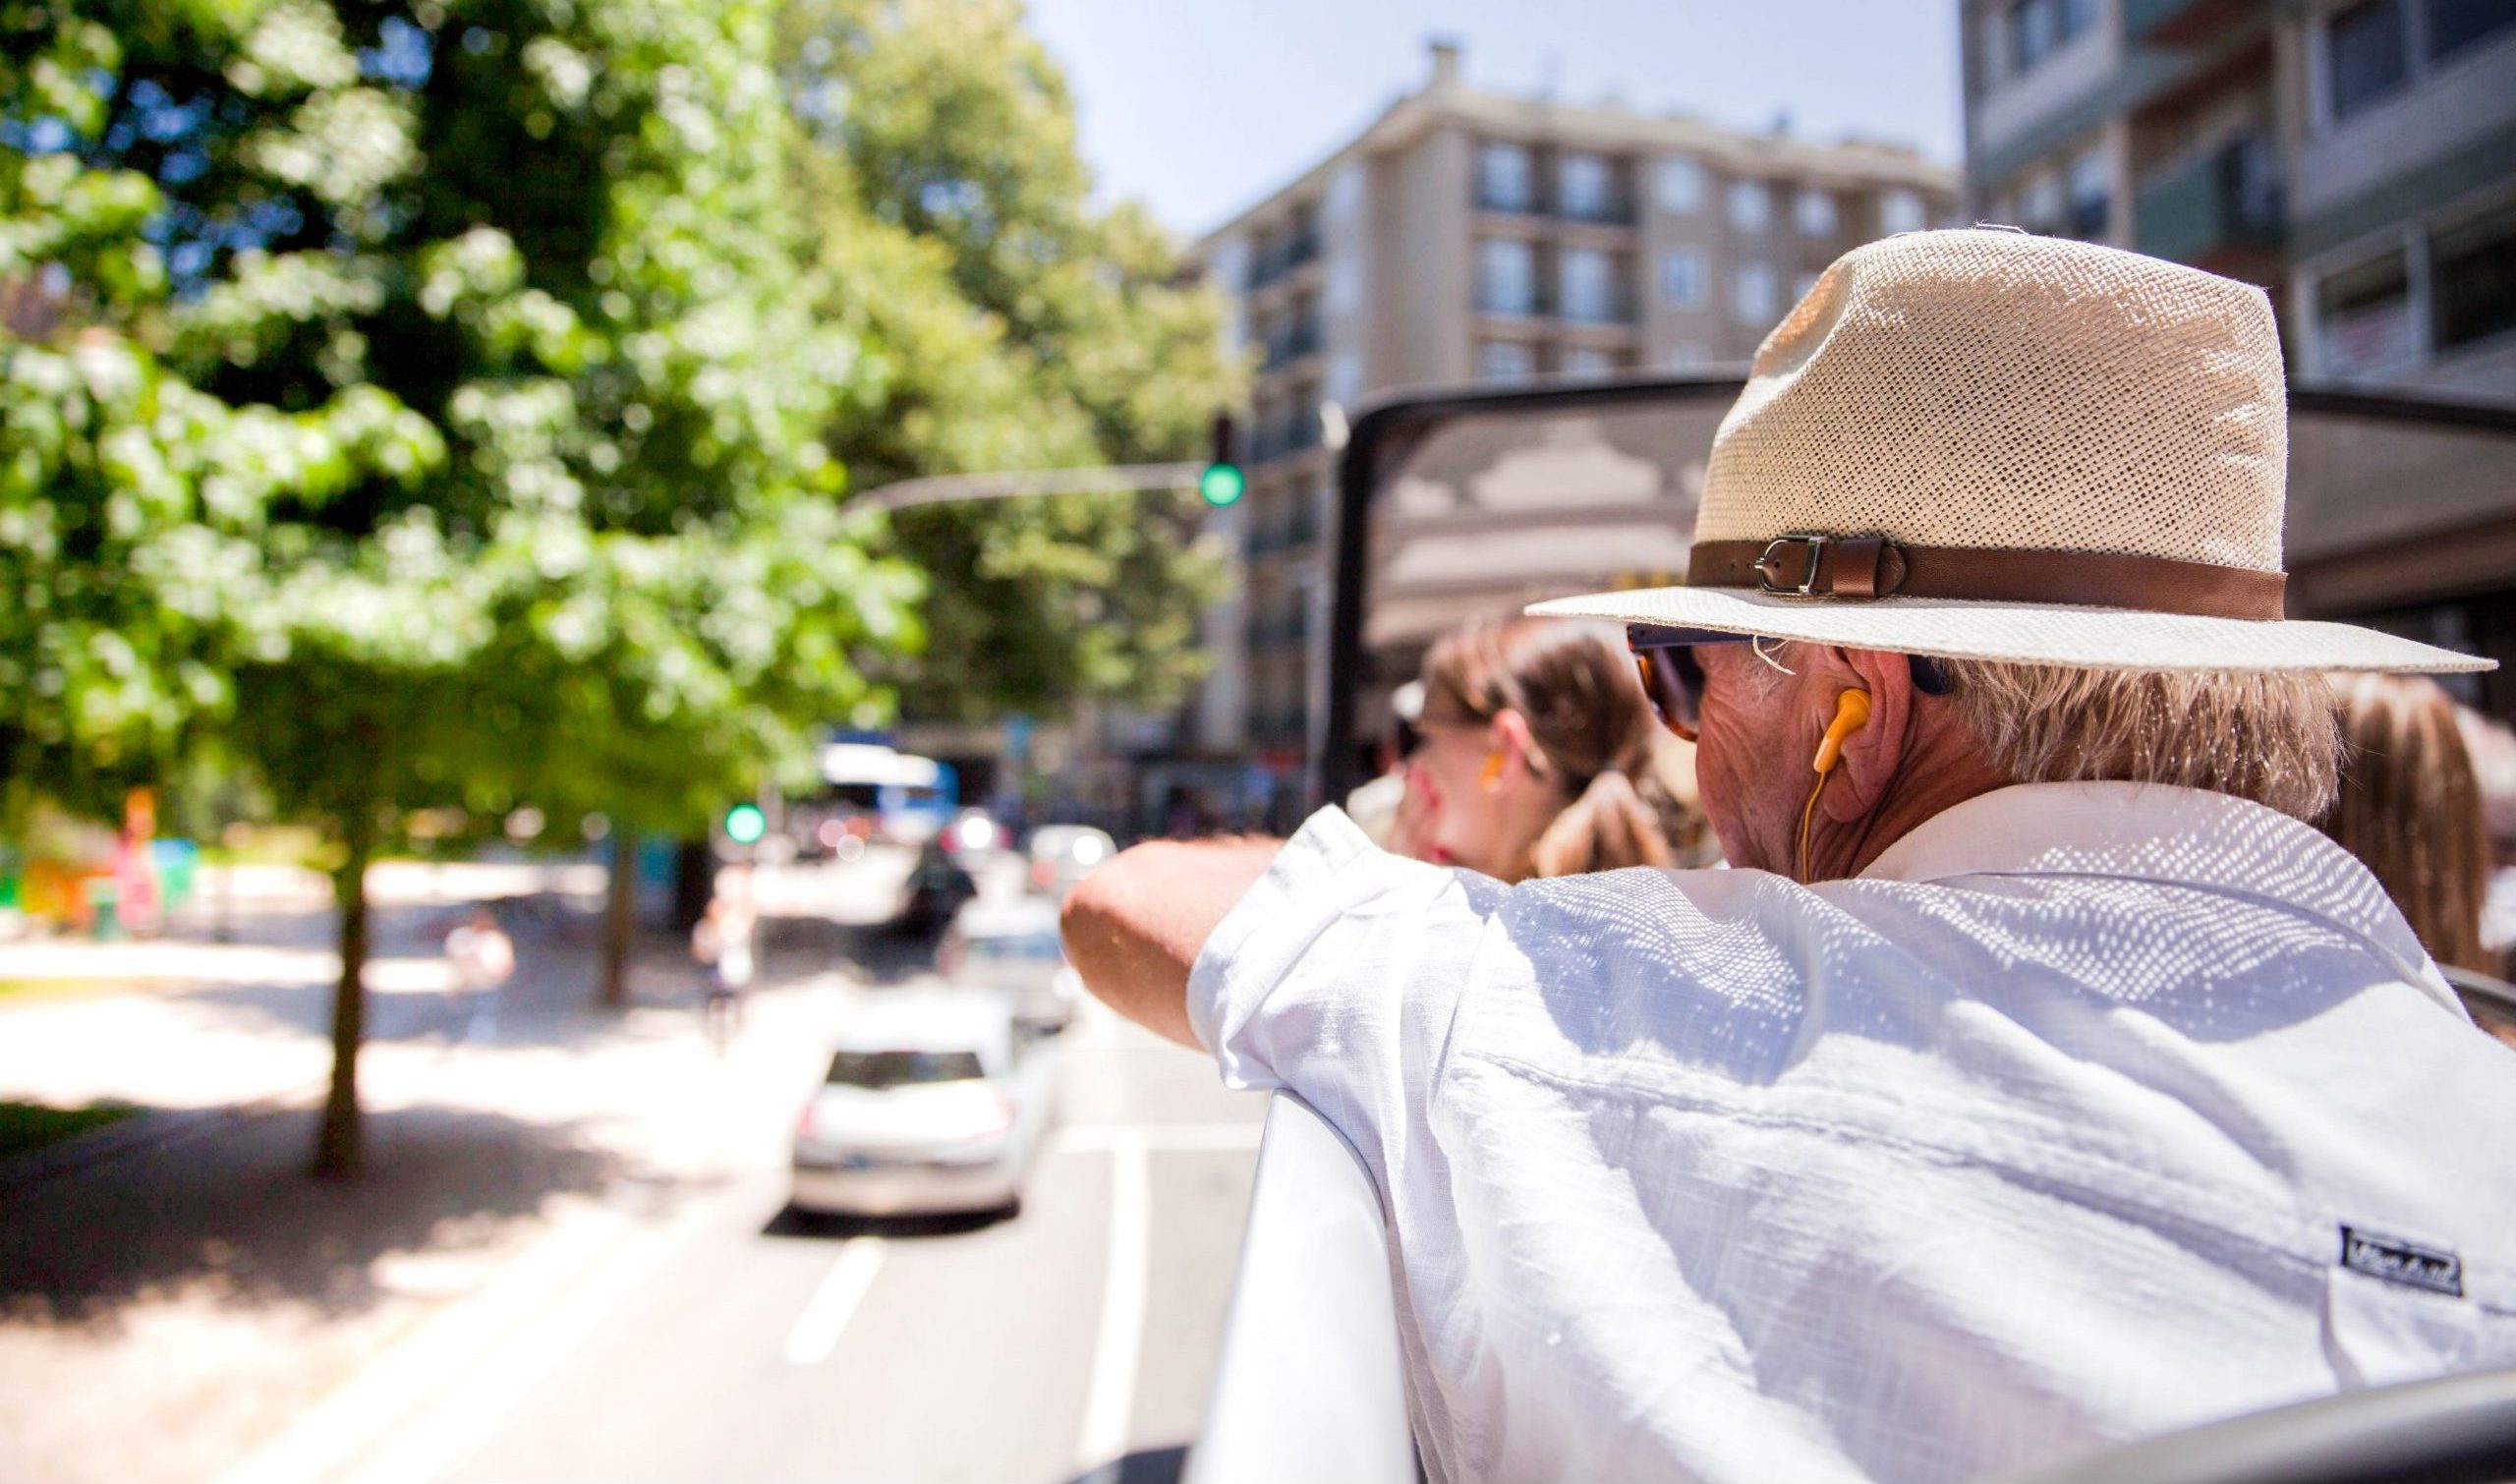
[[1674, 684]]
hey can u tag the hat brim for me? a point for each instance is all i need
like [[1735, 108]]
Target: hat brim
[[2084, 638]]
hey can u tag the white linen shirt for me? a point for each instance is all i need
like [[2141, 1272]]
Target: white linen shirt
[[2040, 1135]]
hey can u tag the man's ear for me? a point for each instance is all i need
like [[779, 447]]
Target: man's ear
[[1871, 755]]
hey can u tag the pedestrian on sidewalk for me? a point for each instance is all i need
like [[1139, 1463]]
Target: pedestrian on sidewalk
[[483, 959], [721, 943]]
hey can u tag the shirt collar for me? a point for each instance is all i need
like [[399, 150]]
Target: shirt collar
[[2155, 832]]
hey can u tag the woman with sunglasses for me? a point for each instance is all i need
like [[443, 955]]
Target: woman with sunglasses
[[1539, 757]]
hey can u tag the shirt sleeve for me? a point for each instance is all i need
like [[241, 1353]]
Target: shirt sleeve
[[1337, 978]]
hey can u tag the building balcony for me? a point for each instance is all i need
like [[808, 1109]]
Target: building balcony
[[1269, 441], [1283, 536], [1620, 308], [1280, 259], [1614, 211], [1277, 634], [2177, 22], [2203, 211], [1292, 343]]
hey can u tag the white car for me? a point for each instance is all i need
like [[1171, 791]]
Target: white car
[[930, 1105], [1063, 854], [1012, 947]]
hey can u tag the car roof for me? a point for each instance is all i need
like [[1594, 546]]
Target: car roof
[[1067, 832], [926, 1020], [1018, 918]]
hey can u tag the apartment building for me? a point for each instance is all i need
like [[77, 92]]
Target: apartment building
[[2356, 158], [1471, 237]]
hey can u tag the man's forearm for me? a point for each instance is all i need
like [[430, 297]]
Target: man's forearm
[[1135, 928]]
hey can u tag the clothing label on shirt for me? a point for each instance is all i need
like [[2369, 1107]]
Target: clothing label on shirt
[[2400, 1262]]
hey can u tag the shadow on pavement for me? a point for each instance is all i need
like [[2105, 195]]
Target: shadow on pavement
[[792, 1223], [232, 1215]]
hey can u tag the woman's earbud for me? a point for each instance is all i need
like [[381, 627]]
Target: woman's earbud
[[1852, 714], [1491, 774]]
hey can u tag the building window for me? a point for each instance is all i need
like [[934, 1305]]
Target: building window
[[2038, 29], [1681, 278], [2364, 316], [1679, 185], [1815, 211], [1751, 296], [2039, 205], [1506, 277], [2472, 280], [1589, 361], [2091, 186], [1750, 204], [1585, 188], [2367, 53], [1589, 285], [1686, 355], [1502, 178], [1505, 361], [1899, 212], [2454, 25]]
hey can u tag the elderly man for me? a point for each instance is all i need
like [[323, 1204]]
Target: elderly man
[[2038, 1078]]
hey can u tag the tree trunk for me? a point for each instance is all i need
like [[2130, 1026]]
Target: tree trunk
[[694, 882], [620, 920], [338, 1144]]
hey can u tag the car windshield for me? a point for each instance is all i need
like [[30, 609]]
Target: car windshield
[[877, 1070], [1024, 948]]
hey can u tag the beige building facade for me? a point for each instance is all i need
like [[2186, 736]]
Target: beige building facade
[[1465, 237], [2356, 158]]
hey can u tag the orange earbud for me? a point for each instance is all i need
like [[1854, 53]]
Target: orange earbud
[[1852, 714], [1491, 775]]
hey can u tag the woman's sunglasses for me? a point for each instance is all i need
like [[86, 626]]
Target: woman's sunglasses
[[1674, 680]]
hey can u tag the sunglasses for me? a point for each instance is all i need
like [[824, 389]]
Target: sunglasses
[[1673, 679]]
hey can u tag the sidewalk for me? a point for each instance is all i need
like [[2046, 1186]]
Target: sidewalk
[[167, 1311]]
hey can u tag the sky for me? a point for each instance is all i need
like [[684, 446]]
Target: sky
[[1200, 107]]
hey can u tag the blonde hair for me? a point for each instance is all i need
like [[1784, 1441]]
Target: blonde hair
[[2411, 808], [1594, 730], [2265, 736]]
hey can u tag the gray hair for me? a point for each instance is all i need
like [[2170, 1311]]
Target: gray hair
[[2265, 736]]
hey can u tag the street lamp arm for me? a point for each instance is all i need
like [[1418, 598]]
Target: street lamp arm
[[1015, 483]]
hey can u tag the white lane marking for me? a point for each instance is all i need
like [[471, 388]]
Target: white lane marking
[[1109, 1405], [833, 1304], [1159, 1139]]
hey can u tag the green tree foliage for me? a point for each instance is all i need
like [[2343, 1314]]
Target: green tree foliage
[[424, 398], [1008, 323]]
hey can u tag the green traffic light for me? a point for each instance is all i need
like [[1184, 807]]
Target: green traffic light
[[745, 824], [1221, 484]]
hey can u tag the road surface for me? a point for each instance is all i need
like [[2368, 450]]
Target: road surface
[[741, 1341], [759, 1346], [571, 1258]]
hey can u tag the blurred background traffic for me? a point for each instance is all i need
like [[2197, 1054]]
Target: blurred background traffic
[[578, 579]]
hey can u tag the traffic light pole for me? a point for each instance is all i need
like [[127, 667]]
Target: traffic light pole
[[1016, 484], [1217, 480]]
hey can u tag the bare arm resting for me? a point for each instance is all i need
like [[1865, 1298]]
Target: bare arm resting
[[1133, 928]]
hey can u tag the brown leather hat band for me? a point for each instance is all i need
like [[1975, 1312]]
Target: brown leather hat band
[[1870, 566]]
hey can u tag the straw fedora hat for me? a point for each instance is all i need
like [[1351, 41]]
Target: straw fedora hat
[[1983, 444]]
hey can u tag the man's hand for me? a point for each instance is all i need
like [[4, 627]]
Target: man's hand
[[1134, 927]]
